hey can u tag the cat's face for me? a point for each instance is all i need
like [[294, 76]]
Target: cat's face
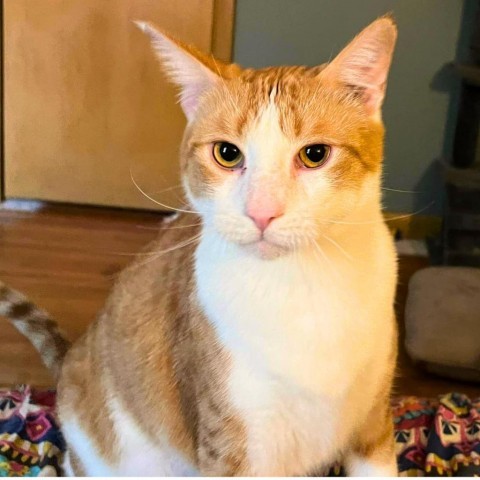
[[273, 158]]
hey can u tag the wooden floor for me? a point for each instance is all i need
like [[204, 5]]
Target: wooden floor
[[66, 259]]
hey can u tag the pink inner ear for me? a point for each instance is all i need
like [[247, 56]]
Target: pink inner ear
[[373, 98], [376, 71], [368, 70], [183, 68], [190, 97], [367, 78], [365, 62]]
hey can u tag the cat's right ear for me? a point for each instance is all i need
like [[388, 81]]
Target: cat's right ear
[[363, 65], [186, 67]]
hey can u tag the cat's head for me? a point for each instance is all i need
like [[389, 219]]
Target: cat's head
[[272, 158]]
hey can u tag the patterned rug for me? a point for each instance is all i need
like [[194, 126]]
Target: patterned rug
[[434, 437], [30, 441], [438, 437]]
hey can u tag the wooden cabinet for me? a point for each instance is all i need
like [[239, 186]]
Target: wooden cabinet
[[85, 102]]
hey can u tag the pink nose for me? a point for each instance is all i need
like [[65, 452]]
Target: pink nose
[[263, 207], [262, 222], [263, 216]]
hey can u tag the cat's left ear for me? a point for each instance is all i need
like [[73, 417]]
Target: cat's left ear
[[363, 65], [186, 67]]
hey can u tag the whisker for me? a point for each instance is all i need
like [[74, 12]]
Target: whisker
[[333, 242], [156, 201], [179, 245], [298, 259], [163, 228], [367, 222], [327, 260], [166, 227], [175, 187], [320, 257], [400, 191], [411, 214], [145, 227], [155, 255], [130, 254], [178, 195]]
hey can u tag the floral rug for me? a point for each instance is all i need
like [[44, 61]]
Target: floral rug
[[438, 437], [30, 441], [434, 437]]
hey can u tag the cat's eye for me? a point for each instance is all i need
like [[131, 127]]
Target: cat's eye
[[314, 156], [227, 155]]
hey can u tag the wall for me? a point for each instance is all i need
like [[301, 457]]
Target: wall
[[421, 106]]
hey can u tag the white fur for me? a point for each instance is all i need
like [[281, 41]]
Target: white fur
[[359, 467], [301, 340], [138, 455], [78, 441], [309, 332], [67, 466]]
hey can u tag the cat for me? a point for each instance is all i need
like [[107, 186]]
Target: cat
[[259, 337]]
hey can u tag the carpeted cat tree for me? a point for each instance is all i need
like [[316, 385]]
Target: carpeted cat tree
[[443, 307]]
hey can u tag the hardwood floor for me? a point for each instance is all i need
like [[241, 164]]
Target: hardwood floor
[[65, 258]]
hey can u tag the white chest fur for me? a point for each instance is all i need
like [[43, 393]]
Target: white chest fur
[[301, 332]]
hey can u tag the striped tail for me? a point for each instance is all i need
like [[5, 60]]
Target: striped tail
[[36, 325]]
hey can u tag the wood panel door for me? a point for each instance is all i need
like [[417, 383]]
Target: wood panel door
[[85, 103]]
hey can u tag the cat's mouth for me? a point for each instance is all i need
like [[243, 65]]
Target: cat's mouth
[[266, 249]]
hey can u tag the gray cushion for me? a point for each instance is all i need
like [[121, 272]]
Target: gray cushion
[[442, 321]]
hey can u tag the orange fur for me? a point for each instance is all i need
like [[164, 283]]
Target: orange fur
[[187, 341]]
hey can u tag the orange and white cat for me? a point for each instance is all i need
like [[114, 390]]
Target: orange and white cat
[[266, 345]]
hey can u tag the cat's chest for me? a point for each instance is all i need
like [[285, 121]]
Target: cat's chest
[[291, 431], [296, 323], [297, 340]]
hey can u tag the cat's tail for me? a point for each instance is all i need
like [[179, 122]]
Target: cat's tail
[[36, 325]]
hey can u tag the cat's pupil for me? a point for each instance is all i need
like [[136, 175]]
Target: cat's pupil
[[229, 152], [316, 153]]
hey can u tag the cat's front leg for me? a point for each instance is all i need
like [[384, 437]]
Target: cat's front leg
[[380, 465], [373, 452]]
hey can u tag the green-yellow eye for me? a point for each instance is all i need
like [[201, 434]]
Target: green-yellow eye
[[227, 155], [314, 156]]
